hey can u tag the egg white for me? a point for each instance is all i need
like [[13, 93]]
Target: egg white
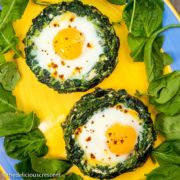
[[99, 123], [86, 60]]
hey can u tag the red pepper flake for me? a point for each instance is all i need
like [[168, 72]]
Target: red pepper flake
[[63, 63], [115, 142], [55, 73], [122, 141], [54, 65], [110, 134], [117, 155], [88, 139], [71, 19], [56, 24], [78, 131], [78, 69], [89, 45], [125, 111], [61, 76], [118, 107], [92, 156]]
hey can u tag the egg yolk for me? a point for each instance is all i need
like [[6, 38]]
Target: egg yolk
[[68, 43], [121, 139]]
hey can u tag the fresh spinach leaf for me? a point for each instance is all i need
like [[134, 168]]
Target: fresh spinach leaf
[[11, 11], [167, 172], [119, 2], [18, 122], [136, 45], [165, 93], [23, 146], [168, 152], [70, 176], [143, 18], [168, 126], [9, 75], [25, 170], [50, 166], [154, 68], [7, 101], [167, 59], [8, 40], [2, 58]]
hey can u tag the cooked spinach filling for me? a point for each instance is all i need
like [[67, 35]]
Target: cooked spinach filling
[[81, 113], [107, 59]]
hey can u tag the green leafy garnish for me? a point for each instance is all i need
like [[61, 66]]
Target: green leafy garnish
[[7, 101], [168, 153], [142, 17], [153, 58], [9, 75], [50, 166], [166, 172], [8, 40], [14, 123], [24, 167], [168, 126], [2, 58], [12, 10], [23, 146], [167, 59], [165, 93]]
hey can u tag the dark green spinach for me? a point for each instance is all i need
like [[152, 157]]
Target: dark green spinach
[[11, 11], [165, 93], [9, 75], [50, 166], [23, 146], [168, 126], [18, 122], [143, 18], [24, 168], [165, 172], [168, 152]]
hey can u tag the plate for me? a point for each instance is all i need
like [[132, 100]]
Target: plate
[[52, 107]]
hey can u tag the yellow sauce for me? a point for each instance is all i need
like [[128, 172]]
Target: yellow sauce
[[52, 107]]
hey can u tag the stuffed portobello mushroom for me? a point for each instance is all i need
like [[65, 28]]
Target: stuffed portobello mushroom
[[108, 133], [71, 47]]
